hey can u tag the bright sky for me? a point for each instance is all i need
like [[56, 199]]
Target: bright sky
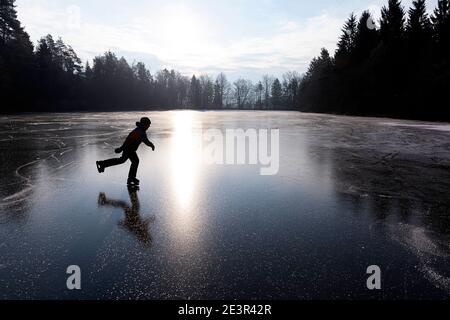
[[246, 38]]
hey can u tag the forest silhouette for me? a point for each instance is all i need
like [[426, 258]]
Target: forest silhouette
[[398, 67]]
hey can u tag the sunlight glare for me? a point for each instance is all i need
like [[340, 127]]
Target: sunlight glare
[[185, 158], [181, 28]]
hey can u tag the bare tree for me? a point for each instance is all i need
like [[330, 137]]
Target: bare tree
[[221, 88], [207, 89], [242, 89], [291, 84]]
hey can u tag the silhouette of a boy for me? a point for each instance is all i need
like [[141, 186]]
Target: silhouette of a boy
[[128, 150]]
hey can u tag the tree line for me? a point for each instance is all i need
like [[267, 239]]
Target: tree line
[[398, 66], [51, 77]]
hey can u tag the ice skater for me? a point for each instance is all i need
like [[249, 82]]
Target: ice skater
[[128, 150]]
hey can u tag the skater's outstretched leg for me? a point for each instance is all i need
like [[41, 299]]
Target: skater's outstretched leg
[[101, 165]]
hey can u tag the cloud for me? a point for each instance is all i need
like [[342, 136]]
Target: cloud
[[292, 44], [184, 40]]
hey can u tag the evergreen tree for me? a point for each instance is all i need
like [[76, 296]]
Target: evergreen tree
[[418, 27], [10, 28], [366, 38], [195, 93], [441, 27], [419, 58], [171, 97], [316, 84], [16, 60], [259, 92], [267, 83], [320, 65], [58, 71], [392, 24], [277, 94], [389, 63], [347, 41], [218, 100]]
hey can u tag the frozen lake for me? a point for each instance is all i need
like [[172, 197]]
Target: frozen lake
[[350, 193]]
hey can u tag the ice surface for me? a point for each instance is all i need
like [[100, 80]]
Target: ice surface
[[351, 192]]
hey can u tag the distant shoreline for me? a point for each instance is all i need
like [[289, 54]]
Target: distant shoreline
[[374, 117]]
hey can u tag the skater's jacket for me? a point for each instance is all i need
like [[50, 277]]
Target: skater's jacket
[[135, 138]]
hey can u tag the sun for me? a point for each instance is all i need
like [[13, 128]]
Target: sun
[[181, 27]]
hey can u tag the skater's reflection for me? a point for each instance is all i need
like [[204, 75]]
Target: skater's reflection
[[133, 221]]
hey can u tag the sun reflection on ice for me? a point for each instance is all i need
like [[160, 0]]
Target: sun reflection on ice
[[185, 160]]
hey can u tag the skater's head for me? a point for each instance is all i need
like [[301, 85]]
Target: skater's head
[[144, 123]]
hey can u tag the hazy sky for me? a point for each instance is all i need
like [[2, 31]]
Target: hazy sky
[[240, 37]]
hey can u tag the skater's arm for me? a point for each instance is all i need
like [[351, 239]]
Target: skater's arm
[[149, 143], [120, 150]]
